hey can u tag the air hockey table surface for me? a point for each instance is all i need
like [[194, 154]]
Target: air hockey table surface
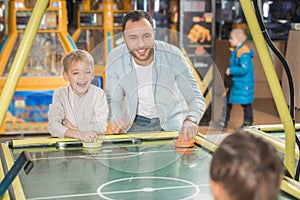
[[134, 167]]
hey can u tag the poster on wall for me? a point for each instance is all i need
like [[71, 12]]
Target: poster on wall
[[197, 22]]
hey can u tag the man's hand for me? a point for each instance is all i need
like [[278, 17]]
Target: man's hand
[[199, 33], [120, 126], [189, 130]]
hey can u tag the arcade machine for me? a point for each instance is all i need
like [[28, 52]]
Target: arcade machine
[[197, 22], [42, 71], [98, 21]]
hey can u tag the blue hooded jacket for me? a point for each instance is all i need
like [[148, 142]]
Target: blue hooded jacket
[[242, 71]]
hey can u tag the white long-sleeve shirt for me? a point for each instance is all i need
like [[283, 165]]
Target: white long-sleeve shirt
[[88, 112]]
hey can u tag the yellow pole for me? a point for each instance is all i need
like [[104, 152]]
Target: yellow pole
[[268, 66], [21, 57], [76, 34]]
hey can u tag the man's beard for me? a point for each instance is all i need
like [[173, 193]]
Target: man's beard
[[139, 59]]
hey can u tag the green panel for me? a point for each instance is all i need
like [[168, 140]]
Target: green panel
[[147, 171], [168, 171]]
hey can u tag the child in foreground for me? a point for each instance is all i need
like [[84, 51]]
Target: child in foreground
[[79, 110], [245, 167]]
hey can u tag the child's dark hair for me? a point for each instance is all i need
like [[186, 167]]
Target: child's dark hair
[[77, 56], [247, 167], [136, 15]]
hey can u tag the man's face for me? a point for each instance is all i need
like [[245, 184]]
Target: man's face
[[139, 38], [80, 76]]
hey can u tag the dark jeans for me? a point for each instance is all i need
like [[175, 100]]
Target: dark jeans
[[144, 124], [248, 114]]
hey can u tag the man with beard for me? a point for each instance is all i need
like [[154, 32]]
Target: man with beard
[[149, 84]]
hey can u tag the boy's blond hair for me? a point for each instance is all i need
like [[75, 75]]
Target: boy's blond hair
[[77, 56], [240, 34]]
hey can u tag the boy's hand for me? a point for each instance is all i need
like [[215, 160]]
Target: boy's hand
[[227, 72], [120, 126], [87, 136]]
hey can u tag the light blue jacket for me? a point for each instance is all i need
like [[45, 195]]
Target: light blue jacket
[[174, 86], [242, 71]]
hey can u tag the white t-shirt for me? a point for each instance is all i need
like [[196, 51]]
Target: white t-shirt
[[146, 103]]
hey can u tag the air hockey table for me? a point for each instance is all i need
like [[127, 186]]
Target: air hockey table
[[129, 166]]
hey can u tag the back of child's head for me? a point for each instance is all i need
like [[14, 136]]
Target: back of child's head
[[247, 168], [240, 34], [77, 57]]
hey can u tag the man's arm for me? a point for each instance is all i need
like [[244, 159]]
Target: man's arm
[[190, 90], [114, 92]]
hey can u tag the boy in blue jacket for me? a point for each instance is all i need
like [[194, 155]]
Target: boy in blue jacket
[[242, 72]]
